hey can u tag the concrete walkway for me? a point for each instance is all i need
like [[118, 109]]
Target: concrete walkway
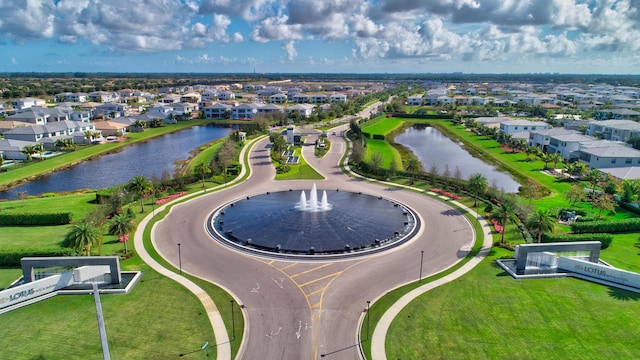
[[222, 344]]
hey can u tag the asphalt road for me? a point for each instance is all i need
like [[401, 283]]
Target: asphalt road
[[302, 310]]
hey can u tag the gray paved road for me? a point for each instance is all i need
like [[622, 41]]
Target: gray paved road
[[299, 309]]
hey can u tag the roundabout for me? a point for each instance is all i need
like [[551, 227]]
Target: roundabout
[[299, 307]]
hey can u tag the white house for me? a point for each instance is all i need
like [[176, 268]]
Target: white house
[[515, 126], [303, 109], [444, 100], [338, 98], [318, 98], [299, 98], [569, 144], [226, 95], [414, 100], [244, 111], [268, 108], [616, 130], [278, 98], [103, 96], [27, 102], [217, 111], [540, 138], [610, 156]]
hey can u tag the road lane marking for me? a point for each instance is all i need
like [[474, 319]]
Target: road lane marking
[[321, 278], [288, 266], [317, 291], [310, 270]]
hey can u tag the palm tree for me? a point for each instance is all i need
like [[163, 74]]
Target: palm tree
[[141, 186], [546, 158], [82, 236], [121, 225], [555, 158], [29, 150], [139, 124], [530, 150], [478, 184], [594, 177], [540, 221], [202, 170], [503, 214], [39, 149], [413, 167]]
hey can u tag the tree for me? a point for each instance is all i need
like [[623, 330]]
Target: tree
[[540, 221], [555, 158], [140, 124], [357, 152], [478, 185], [226, 154], [594, 177], [575, 194], [376, 161], [603, 202], [278, 145], [202, 170], [629, 189], [140, 186], [413, 167], [546, 158], [393, 167], [531, 190], [503, 214], [530, 150], [121, 225], [577, 168], [82, 237], [29, 150]]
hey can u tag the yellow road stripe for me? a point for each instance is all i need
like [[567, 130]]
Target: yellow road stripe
[[321, 278], [315, 292], [310, 270], [288, 266]]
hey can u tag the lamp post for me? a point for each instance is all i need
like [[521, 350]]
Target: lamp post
[[179, 259], [421, 258], [233, 322], [368, 303]]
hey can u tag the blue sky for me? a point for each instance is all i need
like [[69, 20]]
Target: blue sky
[[331, 36]]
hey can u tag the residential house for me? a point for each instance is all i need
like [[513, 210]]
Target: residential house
[[278, 98], [80, 115], [169, 99], [112, 128], [12, 149], [209, 95], [318, 99], [304, 110], [190, 98], [299, 98], [49, 133], [415, 100], [244, 111], [111, 110], [217, 111], [226, 95], [610, 156], [616, 130], [27, 102], [269, 108], [569, 144], [72, 97], [7, 125], [103, 96], [515, 126], [444, 100], [540, 138], [337, 98], [31, 117], [626, 114]]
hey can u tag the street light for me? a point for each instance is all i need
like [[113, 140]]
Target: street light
[[421, 258], [368, 303], [179, 259], [233, 323]]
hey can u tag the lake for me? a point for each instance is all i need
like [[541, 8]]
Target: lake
[[433, 148], [154, 157]]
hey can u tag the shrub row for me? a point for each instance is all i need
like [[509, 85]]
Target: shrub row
[[611, 226], [605, 239], [50, 219], [577, 211], [585, 219], [11, 257]]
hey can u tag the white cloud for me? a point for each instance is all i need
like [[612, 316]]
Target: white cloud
[[290, 50]]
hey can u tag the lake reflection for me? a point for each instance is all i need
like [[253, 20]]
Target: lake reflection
[[151, 158], [435, 149]]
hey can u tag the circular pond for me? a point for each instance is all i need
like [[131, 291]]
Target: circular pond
[[305, 223]]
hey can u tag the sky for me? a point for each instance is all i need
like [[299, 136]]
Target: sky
[[321, 36]]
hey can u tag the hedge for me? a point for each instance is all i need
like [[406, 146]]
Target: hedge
[[611, 226], [11, 257], [378, 137], [605, 239], [50, 219]]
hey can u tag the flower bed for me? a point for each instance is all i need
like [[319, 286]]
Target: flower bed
[[170, 197], [446, 193], [498, 227]]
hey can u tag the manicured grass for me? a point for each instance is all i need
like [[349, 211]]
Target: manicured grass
[[383, 127], [488, 315], [9, 275], [387, 151], [79, 204], [32, 237], [65, 327], [302, 171]]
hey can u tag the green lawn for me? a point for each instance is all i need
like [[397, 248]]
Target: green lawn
[[387, 151], [488, 315], [383, 127], [302, 171], [65, 327], [79, 204]]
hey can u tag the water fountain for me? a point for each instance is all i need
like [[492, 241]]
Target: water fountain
[[312, 204]]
